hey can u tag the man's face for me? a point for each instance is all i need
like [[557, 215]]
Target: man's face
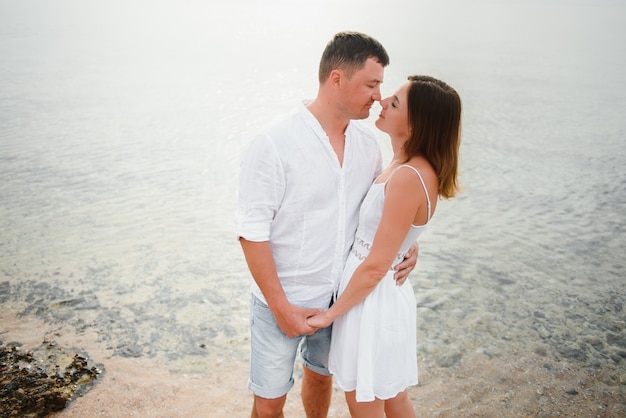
[[358, 94]]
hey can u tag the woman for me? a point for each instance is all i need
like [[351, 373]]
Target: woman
[[373, 348]]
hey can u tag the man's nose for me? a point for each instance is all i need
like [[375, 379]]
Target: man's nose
[[376, 95]]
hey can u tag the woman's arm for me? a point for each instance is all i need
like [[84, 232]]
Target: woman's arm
[[403, 198]]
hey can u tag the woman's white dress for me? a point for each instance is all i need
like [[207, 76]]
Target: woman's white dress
[[373, 346]]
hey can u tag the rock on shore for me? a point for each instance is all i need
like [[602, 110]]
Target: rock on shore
[[37, 382]]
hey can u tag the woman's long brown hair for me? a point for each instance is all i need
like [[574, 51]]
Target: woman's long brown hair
[[435, 125]]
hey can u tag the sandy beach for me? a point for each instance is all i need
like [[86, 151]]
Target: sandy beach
[[520, 385]]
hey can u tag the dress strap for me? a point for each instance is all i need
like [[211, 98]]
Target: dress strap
[[423, 185]]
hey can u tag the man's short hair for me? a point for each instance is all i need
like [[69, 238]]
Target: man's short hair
[[348, 51]]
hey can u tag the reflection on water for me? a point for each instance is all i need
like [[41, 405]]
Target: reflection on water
[[120, 133]]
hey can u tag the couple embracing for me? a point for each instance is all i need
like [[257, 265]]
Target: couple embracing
[[330, 236]]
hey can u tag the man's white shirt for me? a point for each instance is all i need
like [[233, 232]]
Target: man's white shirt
[[294, 193]]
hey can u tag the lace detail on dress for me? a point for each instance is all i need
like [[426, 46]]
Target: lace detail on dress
[[364, 248]]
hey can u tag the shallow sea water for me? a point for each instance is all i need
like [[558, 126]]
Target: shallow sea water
[[121, 128]]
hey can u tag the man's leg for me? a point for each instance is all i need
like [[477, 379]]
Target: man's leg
[[317, 381], [268, 408], [316, 393], [272, 357]]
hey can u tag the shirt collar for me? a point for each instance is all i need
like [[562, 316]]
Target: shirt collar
[[314, 123]]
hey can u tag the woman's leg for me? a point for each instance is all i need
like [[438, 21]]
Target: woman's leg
[[400, 406], [374, 409]]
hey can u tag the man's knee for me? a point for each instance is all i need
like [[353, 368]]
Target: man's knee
[[268, 408], [316, 393], [315, 378]]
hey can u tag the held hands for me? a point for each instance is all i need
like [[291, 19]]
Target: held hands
[[295, 320], [321, 320], [292, 320], [407, 265]]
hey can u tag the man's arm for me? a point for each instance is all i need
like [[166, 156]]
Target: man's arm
[[290, 318], [407, 265]]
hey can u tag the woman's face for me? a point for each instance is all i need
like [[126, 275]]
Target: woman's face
[[394, 118]]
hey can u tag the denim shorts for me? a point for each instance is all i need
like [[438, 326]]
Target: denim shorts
[[273, 354]]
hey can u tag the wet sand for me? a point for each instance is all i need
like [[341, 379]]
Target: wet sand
[[521, 384]]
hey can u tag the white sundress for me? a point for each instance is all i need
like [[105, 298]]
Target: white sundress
[[373, 346]]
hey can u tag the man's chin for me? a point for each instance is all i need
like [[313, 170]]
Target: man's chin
[[363, 115]]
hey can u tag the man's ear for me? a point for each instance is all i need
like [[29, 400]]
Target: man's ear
[[335, 78]]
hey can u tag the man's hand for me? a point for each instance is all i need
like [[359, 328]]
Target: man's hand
[[407, 265], [292, 320]]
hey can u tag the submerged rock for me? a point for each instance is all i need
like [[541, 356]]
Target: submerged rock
[[38, 382]]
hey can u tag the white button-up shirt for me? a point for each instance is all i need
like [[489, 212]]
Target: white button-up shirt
[[294, 193]]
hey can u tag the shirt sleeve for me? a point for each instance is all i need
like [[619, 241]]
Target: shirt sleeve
[[261, 189]]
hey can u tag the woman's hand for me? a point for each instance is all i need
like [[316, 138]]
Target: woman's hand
[[320, 320]]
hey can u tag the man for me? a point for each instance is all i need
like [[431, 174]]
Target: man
[[302, 181]]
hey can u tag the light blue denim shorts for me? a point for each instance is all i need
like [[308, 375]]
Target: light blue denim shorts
[[273, 354]]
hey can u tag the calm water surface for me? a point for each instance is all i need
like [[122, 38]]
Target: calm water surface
[[122, 124]]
